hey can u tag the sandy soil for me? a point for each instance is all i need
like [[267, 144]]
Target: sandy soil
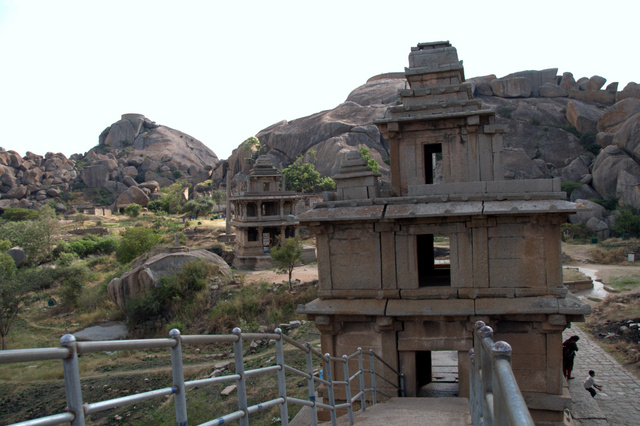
[[304, 273]]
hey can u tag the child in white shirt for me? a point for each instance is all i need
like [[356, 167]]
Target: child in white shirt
[[590, 384]]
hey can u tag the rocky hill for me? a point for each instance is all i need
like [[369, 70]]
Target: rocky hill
[[558, 127], [134, 158]]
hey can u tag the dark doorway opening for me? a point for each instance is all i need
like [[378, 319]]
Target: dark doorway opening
[[437, 373]]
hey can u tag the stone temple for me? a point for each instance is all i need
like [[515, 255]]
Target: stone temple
[[381, 284]]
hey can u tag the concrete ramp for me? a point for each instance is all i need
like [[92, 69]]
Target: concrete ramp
[[413, 411]]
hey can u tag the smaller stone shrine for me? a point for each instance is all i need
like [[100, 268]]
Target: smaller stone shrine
[[263, 215]]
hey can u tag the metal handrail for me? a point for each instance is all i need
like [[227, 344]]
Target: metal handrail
[[77, 409], [495, 398]]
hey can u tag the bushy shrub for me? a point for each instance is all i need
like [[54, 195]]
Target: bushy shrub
[[627, 222], [569, 187], [133, 210], [91, 244], [134, 242], [172, 294], [66, 259], [17, 214]]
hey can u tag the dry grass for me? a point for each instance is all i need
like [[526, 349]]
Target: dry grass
[[573, 274]]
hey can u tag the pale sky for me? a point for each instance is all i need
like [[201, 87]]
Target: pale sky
[[221, 71]]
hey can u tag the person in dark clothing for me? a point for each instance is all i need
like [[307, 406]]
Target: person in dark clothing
[[569, 349]]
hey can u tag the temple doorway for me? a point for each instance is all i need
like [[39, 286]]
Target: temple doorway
[[437, 373]]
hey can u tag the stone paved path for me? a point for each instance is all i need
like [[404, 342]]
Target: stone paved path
[[619, 401]]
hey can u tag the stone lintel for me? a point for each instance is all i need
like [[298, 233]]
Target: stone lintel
[[532, 206], [436, 106], [344, 307], [430, 293], [474, 293], [434, 117], [342, 214], [432, 69], [430, 307], [405, 211], [359, 294], [426, 91], [523, 305]]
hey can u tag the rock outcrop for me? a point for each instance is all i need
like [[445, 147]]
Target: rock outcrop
[[138, 281]]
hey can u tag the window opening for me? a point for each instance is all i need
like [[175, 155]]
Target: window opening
[[432, 156], [251, 210], [434, 263], [252, 234]]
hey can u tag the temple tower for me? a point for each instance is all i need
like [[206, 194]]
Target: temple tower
[[263, 215], [382, 283]]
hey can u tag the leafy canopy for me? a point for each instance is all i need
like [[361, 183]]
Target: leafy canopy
[[286, 256]]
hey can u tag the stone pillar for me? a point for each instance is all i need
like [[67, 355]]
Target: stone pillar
[[228, 214]]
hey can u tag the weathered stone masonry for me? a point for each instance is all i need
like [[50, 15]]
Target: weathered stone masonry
[[380, 284]]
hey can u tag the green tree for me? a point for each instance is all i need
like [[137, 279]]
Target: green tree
[[34, 236], [218, 197], [13, 293], [133, 210], [135, 241], [285, 257], [301, 176], [199, 206], [371, 163], [173, 196], [327, 184]]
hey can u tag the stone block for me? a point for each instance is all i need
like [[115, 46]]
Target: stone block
[[525, 185], [448, 189], [531, 380], [533, 206], [344, 307], [433, 210], [529, 305], [429, 308], [429, 293]]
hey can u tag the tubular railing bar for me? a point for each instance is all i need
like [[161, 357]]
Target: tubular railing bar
[[361, 383], [297, 372], [241, 389], [211, 381], [225, 419], [38, 354], [72, 386], [495, 396], [384, 362], [282, 380], [180, 398], [332, 402], [123, 345], [311, 384], [347, 388], [96, 407], [261, 371], [49, 420], [372, 376], [212, 338], [70, 349]]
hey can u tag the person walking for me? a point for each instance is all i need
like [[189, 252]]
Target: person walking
[[591, 385], [569, 349]]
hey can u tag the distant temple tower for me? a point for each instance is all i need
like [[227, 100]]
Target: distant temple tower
[[382, 285], [264, 215]]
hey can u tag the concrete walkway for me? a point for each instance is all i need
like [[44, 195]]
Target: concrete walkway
[[619, 401]]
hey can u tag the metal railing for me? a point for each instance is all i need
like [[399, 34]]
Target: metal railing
[[77, 409], [494, 395]]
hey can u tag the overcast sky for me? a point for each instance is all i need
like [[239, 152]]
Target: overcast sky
[[221, 71]]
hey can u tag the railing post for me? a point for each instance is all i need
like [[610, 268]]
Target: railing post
[[402, 385], [347, 387], [282, 379], [332, 400], [180, 397], [372, 372], [363, 396], [500, 350], [486, 368], [72, 386], [239, 364], [475, 404], [311, 386]]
